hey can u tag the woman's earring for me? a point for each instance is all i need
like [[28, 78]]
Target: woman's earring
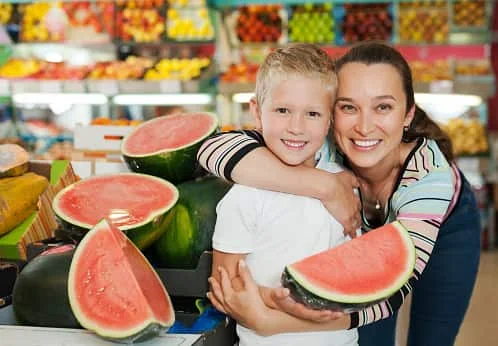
[[405, 134]]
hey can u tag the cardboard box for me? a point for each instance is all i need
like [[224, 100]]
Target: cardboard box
[[42, 223], [97, 149]]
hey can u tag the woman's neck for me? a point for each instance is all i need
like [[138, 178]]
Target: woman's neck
[[377, 183]]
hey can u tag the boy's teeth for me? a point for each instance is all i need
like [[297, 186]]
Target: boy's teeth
[[368, 143], [294, 144]]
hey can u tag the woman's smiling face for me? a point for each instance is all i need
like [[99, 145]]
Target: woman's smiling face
[[370, 113]]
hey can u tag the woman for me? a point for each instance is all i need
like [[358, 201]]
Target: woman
[[403, 162]]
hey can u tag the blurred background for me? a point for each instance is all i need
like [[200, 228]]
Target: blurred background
[[71, 69]]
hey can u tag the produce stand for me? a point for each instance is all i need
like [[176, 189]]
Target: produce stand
[[222, 334]]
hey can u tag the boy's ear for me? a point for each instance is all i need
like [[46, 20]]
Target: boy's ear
[[255, 112]]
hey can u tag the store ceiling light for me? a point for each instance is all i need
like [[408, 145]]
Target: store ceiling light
[[242, 97], [449, 99], [55, 98], [163, 99]]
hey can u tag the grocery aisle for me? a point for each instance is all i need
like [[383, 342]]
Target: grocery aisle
[[480, 326]]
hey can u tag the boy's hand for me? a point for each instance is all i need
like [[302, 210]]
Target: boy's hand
[[285, 303], [342, 201], [243, 304]]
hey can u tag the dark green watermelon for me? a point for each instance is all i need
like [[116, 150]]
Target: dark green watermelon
[[166, 146], [190, 223], [40, 295]]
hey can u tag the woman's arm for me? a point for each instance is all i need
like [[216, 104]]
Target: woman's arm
[[241, 156]]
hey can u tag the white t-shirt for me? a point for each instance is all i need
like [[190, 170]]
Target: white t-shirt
[[275, 229]]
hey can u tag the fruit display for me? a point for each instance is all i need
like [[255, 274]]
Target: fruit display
[[259, 23], [114, 291], [140, 20], [40, 295], [423, 21], [123, 198], [61, 71], [469, 14], [131, 68], [366, 22], [468, 136], [355, 274], [172, 154], [61, 150], [312, 23], [473, 68], [13, 160], [14, 209], [5, 13], [115, 122], [240, 73], [178, 69], [182, 243], [189, 24], [423, 71], [82, 14], [42, 22]]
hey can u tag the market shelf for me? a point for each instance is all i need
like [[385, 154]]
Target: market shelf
[[480, 86], [105, 86]]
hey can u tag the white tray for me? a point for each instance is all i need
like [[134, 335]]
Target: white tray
[[37, 336]]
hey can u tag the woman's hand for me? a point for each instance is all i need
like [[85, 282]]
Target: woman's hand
[[243, 304], [282, 301], [341, 200]]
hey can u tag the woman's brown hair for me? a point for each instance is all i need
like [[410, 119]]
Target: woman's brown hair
[[373, 52]]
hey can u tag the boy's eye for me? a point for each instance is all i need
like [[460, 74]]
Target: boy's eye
[[282, 110]]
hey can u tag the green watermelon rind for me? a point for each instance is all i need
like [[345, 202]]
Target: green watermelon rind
[[312, 296], [142, 234], [39, 297], [175, 165], [309, 299], [148, 329], [190, 223]]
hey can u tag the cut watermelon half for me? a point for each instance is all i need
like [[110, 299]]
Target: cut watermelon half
[[167, 146], [136, 203], [356, 274], [114, 291]]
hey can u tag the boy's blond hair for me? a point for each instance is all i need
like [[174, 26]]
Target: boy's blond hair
[[301, 59]]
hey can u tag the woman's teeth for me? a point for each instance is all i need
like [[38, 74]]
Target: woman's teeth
[[366, 144], [294, 144]]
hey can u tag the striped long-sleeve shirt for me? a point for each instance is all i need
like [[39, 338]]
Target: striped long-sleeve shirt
[[426, 191]]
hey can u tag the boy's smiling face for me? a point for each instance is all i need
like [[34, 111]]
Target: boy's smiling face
[[295, 118]]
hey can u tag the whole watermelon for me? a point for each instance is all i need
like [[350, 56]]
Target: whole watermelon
[[190, 223], [40, 295]]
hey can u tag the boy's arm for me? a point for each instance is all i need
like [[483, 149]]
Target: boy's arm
[[230, 262]]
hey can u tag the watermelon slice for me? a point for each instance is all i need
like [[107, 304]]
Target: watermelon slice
[[114, 291], [167, 146], [356, 274], [136, 203]]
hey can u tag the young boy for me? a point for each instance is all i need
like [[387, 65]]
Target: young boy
[[295, 91]]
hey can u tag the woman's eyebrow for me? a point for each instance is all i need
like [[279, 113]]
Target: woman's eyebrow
[[347, 99], [385, 97]]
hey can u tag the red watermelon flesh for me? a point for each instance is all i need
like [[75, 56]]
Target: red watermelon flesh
[[114, 291], [127, 199], [366, 269], [168, 133]]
